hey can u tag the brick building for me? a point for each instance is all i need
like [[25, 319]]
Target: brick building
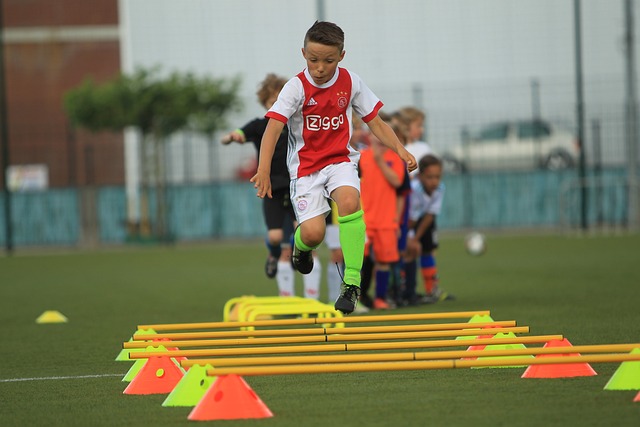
[[49, 48]]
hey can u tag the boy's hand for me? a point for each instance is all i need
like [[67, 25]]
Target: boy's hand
[[262, 182], [408, 158], [235, 136]]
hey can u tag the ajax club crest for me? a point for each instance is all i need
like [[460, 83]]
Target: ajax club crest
[[342, 100]]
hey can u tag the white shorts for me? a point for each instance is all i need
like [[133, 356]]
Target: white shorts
[[332, 236], [309, 194]]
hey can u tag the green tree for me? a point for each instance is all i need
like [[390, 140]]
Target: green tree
[[158, 107]]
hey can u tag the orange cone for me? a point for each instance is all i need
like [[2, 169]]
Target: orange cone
[[637, 398], [479, 347], [159, 375], [229, 398], [559, 370]]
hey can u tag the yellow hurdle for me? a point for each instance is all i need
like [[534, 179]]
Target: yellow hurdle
[[314, 321], [253, 312], [240, 308], [327, 338], [407, 356], [233, 304], [419, 365], [318, 331], [323, 348]]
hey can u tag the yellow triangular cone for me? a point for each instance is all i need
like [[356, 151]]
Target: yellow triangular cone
[[124, 353], [504, 347], [52, 316], [477, 318], [627, 376], [191, 388]]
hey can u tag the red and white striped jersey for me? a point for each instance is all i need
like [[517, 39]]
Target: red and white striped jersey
[[319, 119]]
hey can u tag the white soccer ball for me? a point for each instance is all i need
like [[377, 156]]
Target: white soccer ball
[[475, 243]]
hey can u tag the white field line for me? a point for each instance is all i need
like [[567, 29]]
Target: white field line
[[76, 377]]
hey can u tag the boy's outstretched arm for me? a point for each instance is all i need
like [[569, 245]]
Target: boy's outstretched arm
[[262, 179], [388, 137]]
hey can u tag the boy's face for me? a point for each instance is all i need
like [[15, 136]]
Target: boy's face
[[430, 178], [416, 129], [322, 61]]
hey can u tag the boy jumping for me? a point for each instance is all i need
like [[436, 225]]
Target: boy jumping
[[317, 105]]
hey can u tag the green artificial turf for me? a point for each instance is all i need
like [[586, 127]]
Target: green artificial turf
[[585, 288]]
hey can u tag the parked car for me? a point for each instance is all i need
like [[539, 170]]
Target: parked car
[[524, 144]]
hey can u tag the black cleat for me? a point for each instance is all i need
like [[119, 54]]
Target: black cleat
[[271, 267], [302, 260], [348, 299]]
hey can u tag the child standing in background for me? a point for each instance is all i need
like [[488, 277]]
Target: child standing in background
[[277, 211], [426, 202], [414, 119], [381, 174]]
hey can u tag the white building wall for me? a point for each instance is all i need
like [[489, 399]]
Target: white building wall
[[473, 60]]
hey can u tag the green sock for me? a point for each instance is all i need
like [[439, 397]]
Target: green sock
[[299, 243], [352, 234]]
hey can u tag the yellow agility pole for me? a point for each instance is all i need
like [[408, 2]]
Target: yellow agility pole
[[407, 356], [315, 321], [327, 338], [322, 348], [320, 331], [419, 365]]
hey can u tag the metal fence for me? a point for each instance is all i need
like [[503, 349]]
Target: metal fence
[[485, 200], [208, 196]]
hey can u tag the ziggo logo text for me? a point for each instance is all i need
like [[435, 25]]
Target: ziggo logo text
[[315, 123]]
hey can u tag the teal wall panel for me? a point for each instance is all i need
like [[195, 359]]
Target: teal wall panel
[[43, 218], [232, 210]]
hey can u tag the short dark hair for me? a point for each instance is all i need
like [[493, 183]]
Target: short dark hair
[[428, 160], [326, 33]]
